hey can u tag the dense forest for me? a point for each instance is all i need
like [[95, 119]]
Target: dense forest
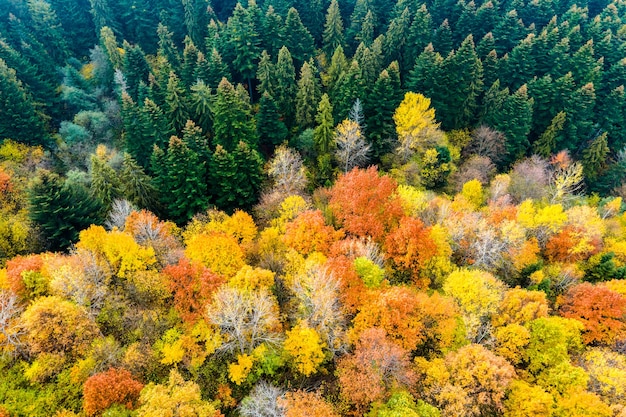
[[312, 208]]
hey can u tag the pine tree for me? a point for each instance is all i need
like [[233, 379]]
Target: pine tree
[[249, 175], [442, 39], [211, 69], [136, 185], [395, 45], [48, 29], [135, 67], [286, 88], [105, 183], [232, 121], [265, 74], [323, 135], [190, 61], [201, 102], [333, 30], [222, 172], [426, 72], [61, 211], [270, 128], [297, 38], [272, 35], [167, 47], [420, 33], [546, 144], [244, 43], [515, 121], [177, 108], [348, 88], [180, 182], [308, 96], [380, 106], [462, 83], [20, 120]]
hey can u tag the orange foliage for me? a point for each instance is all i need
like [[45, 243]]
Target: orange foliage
[[365, 203], [497, 214], [308, 233], [17, 266], [565, 246], [115, 386], [376, 367], [303, 403], [409, 247], [411, 319], [600, 310], [6, 186], [352, 289], [192, 285]]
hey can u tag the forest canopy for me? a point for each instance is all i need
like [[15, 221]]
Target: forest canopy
[[312, 208]]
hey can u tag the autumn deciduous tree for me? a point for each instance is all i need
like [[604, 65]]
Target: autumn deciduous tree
[[303, 403], [365, 204], [469, 382], [217, 251], [115, 386], [305, 347], [519, 306], [175, 398], [19, 270], [375, 368], [416, 125], [411, 319], [409, 248], [192, 285], [309, 233], [54, 325], [600, 310]]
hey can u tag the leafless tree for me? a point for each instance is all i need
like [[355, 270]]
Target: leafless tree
[[263, 402], [486, 142], [246, 319], [10, 329], [352, 148], [287, 171]]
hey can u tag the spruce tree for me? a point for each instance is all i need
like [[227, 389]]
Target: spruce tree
[[265, 74], [20, 119], [323, 134], [48, 30], [380, 106], [61, 211], [180, 181], [442, 38], [426, 72], [515, 121], [307, 98], [188, 69], [270, 128], [167, 47], [136, 185], [201, 102], [222, 173], [546, 144], [395, 46], [177, 108], [594, 157], [333, 30], [249, 175], [348, 88], [518, 68], [462, 83], [366, 33], [232, 121], [420, 33], [211, 69], [244, 43], [135, 67], [297, 38], [272, 35], [105, 183], [286, 88]]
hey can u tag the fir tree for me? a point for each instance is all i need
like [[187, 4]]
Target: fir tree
[[177, 108], [232, 121], [333, 30], [286, 88], [136, 68], [20, 120], [308, 96], [265, 74], [188, 69], [211, 69], [323, 135], [270, 128], [297, 38], [249, 176], [61, 211], [136, 185], [244, 43], [594, 157]]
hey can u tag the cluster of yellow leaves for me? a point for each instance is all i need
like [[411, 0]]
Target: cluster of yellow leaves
[[305, 346], [118, 249], [239, 371], [252, 279], [217, 251]]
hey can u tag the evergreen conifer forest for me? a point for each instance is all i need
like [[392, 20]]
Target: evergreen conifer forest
[[301, 208]]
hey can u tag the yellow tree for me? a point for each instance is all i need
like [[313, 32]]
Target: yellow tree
[[305, 348], [416, 125]]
